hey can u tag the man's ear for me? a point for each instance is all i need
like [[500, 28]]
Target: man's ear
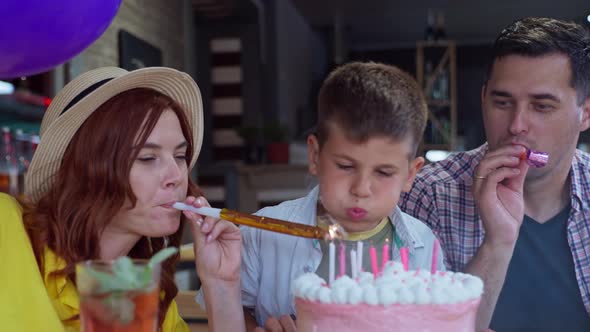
[[585, 121], [313, 154], [415, 166], [482, 98]]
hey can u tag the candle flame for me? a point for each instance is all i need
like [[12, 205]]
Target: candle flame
[[336, 232]]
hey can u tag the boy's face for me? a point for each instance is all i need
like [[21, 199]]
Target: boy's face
[[360, 183]]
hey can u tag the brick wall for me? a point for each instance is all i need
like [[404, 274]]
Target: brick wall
[[159, 22]]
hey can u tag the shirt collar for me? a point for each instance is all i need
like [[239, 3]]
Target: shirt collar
[[580, 181], [60, 289], [408, 235]]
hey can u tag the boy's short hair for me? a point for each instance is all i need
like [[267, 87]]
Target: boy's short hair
[[368, 99], [541, 36]]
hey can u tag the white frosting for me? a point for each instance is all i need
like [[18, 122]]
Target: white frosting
[[325, 295], [393, 286], [370, 294]]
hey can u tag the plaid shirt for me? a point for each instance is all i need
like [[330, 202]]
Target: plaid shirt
[[442, 197]]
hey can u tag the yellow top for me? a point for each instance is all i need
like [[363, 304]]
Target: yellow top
[[358, 236], [30, 302], [361, 236]]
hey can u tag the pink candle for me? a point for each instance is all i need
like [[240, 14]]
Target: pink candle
[[373, 254], [342, 258], [385, 254], [404, 255], [434, 256]]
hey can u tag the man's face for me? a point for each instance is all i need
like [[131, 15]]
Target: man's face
[[529, 101]]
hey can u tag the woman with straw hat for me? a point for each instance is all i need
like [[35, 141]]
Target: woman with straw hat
[[116, 151]]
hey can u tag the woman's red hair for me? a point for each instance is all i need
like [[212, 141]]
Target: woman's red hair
[[92, 185]]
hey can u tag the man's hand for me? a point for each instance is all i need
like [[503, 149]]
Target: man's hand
[[284, 324], [498, 191], [498, 185]]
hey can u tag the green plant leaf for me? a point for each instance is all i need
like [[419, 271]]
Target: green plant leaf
[[123, 271], [275, 132], [248, 133], [161, 256], [125, 276], [128, 276], [144, 274], [106, 281]]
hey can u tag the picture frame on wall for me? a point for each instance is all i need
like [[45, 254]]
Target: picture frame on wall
[[135, 53]]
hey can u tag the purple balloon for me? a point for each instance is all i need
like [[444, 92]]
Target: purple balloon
[[37, 35]]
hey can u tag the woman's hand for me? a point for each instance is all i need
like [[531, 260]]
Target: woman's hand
[[217, 245]]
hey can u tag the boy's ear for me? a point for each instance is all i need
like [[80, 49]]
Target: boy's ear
[[415, 166], [313, 154]]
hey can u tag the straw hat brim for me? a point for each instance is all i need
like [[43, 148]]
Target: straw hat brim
[[58, 129]]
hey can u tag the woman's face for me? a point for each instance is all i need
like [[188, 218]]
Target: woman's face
[[158, 178]]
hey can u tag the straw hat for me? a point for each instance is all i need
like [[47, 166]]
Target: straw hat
[[82, 96]]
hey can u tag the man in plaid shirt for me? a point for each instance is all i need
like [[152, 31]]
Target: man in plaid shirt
[[524, 231]]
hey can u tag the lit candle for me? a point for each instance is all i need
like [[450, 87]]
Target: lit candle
[[342, 259], [359, 256], [434, 256], [353, 267], [332, 269], [385, 254], [373, 254], [404, 255]]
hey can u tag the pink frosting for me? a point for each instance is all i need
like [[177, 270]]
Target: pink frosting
[[320, 317]]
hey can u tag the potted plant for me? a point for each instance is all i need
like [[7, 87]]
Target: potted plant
[[277, 145], [253, 151]]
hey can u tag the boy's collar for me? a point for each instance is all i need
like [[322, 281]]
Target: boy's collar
[[407, 235], [364, 235]]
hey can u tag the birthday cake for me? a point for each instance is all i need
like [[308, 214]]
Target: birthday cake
[[395, 300]]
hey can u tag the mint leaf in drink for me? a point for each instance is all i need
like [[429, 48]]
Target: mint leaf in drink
[[124, 269], [162, 255], [106, 282], [126, 277]]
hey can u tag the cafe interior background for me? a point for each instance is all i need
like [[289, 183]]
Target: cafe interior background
[[259, 65]]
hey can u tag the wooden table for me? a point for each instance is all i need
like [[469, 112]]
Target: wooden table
[[190, 311]]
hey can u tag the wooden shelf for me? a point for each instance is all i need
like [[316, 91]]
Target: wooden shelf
[[438, 103], [441, 132], [435, 43]]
